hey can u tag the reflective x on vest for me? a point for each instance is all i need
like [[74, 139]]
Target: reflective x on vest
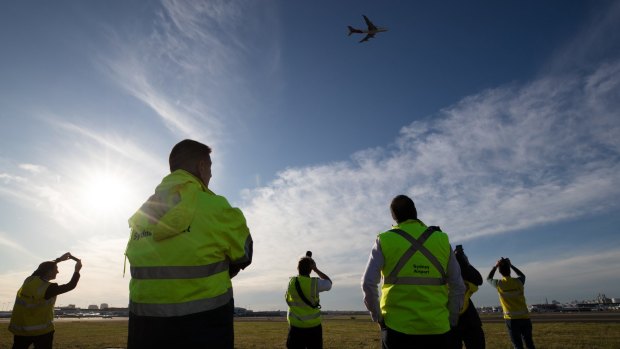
[[416, 245]]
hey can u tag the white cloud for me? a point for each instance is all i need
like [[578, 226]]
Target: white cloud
[[32, 168], [503, 160], [193, 68]]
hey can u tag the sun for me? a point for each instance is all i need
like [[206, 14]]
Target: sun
[[105, 193]]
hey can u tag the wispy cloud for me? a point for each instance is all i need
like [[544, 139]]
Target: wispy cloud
[[32, 168], [191, 69], [6, 242], [503, 160]]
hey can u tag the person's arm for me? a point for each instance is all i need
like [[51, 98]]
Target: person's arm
[[370, 283], [320, 273], [456, 289], [490, 279], [241, 248], [54, 289], [325, 283], [472, 275], [520, 275]]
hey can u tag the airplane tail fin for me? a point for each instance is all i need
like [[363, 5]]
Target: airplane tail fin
[[353, 30]]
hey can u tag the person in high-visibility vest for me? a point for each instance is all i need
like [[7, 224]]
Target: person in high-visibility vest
[[32, 319], [304, 309], [185, 246], [422, 288], [512, 298], [469, 329]]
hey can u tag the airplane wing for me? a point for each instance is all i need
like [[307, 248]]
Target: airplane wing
[[369, 36], [371, 27]]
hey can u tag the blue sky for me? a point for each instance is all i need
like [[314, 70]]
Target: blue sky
[[500, 120]]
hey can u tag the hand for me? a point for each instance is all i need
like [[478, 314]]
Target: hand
[[78, 266], [64, 257]]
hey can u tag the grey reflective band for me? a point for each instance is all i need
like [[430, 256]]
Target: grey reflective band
[[305, 317], [179, 272], [511, 313], [180, 309], [31, 327], [416, 245], [25, 304]]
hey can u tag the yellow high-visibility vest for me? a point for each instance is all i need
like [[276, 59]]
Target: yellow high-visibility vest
[[470, 289], [299, 313], [32, 315], [182, 241], [512, 297], [414, 295]]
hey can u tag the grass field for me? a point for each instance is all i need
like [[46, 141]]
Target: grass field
[[341, 333]]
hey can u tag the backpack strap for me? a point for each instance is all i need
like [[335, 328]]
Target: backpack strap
[[303, 297]]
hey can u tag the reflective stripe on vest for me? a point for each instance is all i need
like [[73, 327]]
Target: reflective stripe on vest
[[30, 328], [25, 304], [512, 298], [179, 309], [179, 272], [182, 242], [416, 245], [416, 303], [306, 317], [299, 313], [32, 314]]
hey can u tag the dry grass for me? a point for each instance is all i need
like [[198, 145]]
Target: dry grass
[[345, 332]]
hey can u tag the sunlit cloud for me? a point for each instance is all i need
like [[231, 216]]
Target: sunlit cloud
[[503, 160], [9, 243], [32, 168], [191, 69]]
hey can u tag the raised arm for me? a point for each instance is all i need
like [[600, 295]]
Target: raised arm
[[320, 273]]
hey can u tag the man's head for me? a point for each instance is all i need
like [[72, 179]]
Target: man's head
[[193, 157], [305, 266], [46, 270], [504, 267], [403, 208]]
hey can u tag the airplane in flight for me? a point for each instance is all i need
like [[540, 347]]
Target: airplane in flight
[[370, 32]]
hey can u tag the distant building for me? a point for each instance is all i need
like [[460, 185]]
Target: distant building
[[93, 307], [103, 306], [70, 306]]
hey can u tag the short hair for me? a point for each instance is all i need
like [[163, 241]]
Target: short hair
[[44, 268], [403, 208], [186, 154], [305, 265], [504, 267]]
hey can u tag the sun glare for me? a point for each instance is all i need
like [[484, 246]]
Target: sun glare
[[105, 193]]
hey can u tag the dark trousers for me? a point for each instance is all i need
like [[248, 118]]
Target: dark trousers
[[208, 329], [391, 339], [305, 338], [43, 341], [471, 335], [519, 329]]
